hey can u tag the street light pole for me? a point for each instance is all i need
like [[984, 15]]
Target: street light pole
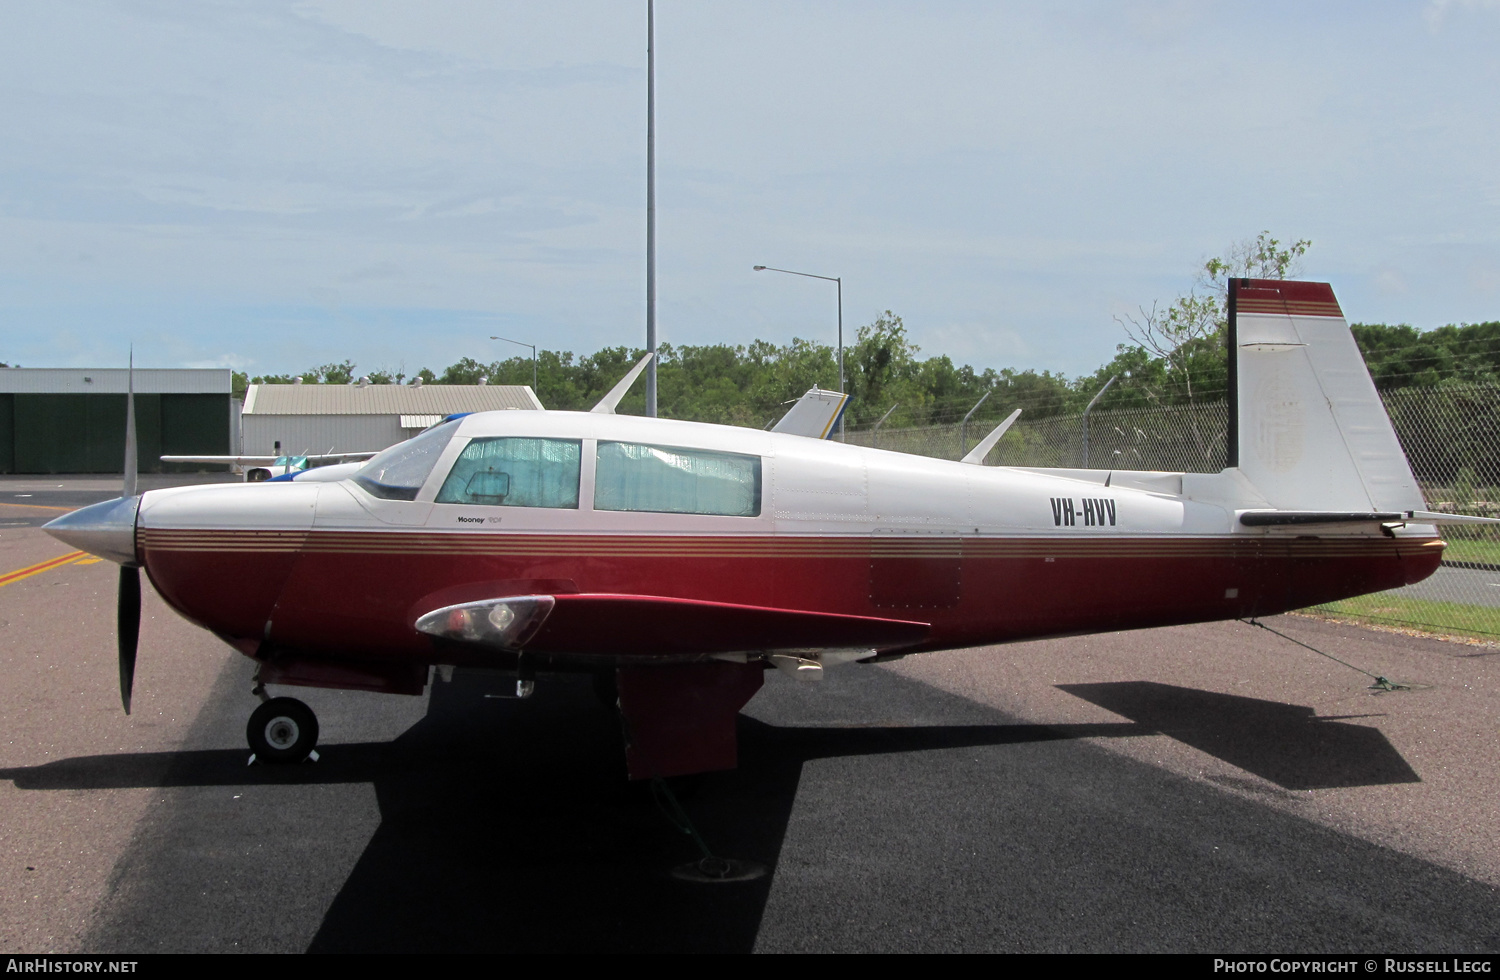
[[533, 356], [651, 206], [839, 282]]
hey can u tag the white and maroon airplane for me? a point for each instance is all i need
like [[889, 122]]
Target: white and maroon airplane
[[685, 559]]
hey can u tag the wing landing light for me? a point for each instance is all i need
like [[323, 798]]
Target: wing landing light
[[643, 626]]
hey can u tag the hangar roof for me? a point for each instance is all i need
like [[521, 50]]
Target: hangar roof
[[433, 399], [84, 381]]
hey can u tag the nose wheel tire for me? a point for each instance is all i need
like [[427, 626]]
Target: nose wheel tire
[[282, 730]]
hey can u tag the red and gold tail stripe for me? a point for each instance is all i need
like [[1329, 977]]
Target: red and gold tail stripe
[[1277, 306], [1287, 297]]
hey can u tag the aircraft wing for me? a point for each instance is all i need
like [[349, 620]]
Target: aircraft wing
[[232, 460], [815, 415], [639, 625], [342, 456], [265, 460]]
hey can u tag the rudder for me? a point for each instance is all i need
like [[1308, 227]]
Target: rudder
[[1309, 429]]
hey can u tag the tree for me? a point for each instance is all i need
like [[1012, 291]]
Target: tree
[[881, 357], [1188, 335]]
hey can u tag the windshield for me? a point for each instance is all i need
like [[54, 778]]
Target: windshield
[[399, 472]]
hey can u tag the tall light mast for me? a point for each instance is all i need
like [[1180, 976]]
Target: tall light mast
[[651, 206]]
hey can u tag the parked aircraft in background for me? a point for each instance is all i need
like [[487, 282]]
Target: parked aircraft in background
[[681, 560], [816, 414], [258, 469]]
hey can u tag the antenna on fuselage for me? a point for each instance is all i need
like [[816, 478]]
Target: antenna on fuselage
[[979, 452], [607, 404]]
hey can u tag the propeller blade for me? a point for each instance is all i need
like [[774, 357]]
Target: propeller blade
[[131, 465], [128, 628]]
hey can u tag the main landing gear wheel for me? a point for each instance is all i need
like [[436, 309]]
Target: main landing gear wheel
[[282, 730]]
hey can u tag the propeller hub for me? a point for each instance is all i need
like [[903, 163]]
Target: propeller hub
[[106, 529]]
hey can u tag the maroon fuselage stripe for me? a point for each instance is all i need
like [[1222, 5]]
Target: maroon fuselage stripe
[[358, 593]]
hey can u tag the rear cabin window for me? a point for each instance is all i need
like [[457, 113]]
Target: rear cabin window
[[515, 472], [667, 480]]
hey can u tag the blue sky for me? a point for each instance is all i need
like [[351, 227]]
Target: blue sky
[[271, 186]]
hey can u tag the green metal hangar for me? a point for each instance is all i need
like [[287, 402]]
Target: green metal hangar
[[69, 420], [298, 419]]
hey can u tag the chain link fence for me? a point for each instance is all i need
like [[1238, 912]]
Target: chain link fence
[[1451, 435]]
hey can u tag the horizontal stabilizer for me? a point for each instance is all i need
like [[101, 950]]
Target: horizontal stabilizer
[[1280, 518], [635, 625], [1432, 517], [979, 452]]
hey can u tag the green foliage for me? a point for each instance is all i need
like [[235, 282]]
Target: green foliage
[[341, 373], [1261, 258], [1187, 336], [1403, 357], [1387, 607]]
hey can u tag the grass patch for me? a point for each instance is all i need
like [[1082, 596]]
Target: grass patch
[[1487, 552], [1426, 614]]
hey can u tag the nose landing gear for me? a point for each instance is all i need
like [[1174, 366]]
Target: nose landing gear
[[282, 730]]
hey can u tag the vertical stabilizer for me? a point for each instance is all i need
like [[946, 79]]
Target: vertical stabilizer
[[1310, 432], [815, 415]]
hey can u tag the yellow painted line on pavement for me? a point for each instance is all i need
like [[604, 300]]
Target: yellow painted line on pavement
[[39, 506], [38, 568]]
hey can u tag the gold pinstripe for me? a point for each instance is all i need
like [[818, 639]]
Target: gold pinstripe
[[1280, 307]]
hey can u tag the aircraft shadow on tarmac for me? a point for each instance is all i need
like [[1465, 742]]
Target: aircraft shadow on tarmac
[[508, 825], [1286, 744]]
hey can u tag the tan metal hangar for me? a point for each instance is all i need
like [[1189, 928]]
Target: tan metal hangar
[[299, 419]]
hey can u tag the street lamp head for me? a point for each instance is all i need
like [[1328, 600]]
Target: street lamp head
[[760, 268]]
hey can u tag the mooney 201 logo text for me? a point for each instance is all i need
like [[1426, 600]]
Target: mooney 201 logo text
[[1095, 511]]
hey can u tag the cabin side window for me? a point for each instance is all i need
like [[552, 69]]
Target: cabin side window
[[399, 472], [668, 480], [515, 472]]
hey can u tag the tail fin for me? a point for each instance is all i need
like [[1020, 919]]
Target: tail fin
[[815, 415], [1310, 431]]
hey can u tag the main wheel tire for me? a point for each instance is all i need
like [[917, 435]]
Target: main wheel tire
[[282, 730]]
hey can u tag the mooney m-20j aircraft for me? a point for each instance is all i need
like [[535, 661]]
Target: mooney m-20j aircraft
[[681, 560]]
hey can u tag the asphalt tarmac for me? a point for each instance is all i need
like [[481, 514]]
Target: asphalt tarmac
[[1208, 788]]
